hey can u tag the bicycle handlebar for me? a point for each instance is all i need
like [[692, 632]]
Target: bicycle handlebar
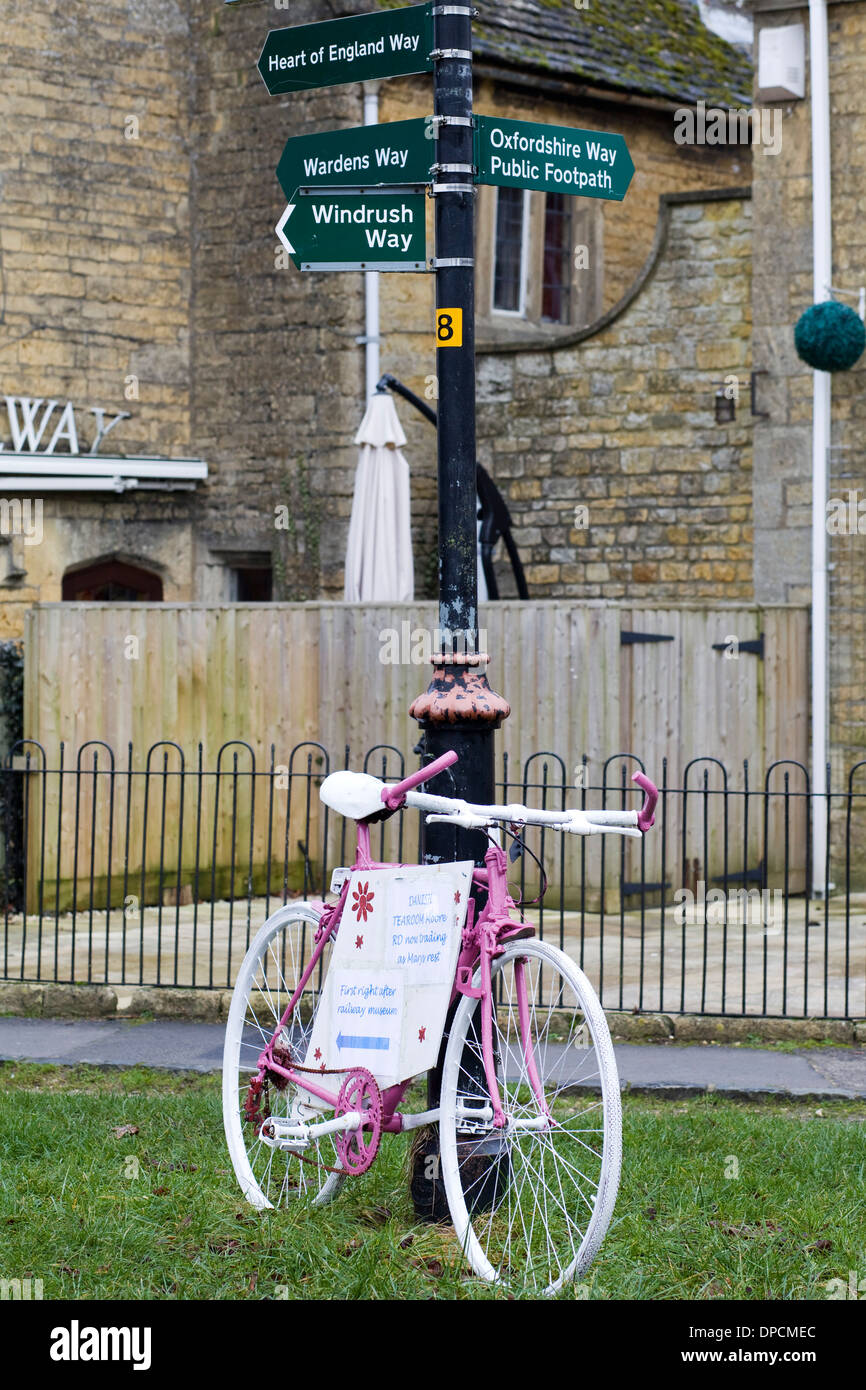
[[395, 795], [646, 816]]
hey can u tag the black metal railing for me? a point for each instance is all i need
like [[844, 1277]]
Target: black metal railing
[[159, 870]]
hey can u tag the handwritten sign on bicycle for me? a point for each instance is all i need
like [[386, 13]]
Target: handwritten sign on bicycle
[[392, 970]]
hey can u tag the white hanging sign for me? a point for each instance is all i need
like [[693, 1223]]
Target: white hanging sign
[[392, 970]]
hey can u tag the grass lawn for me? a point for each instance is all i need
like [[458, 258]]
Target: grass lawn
[[718, 1200]]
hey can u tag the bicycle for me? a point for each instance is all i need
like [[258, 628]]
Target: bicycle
[[529, 1109]]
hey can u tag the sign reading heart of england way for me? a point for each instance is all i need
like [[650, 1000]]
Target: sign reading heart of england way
[[369, 231], [396, 152], [551, 158], [359, 48]]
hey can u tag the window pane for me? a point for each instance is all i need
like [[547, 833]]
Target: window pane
[[556, 284], [508, 262]]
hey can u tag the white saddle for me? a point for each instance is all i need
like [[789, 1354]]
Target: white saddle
[[355, 795]]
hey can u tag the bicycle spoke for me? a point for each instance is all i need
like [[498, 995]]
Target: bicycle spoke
[[532, 1203]]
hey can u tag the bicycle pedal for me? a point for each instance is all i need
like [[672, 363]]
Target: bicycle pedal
[[465, 985], [518, 933]]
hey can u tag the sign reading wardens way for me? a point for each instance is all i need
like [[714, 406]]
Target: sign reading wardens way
[[392, 970]]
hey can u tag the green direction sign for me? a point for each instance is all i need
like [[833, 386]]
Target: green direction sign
[[374, 230], [387, 43], [395, 152], [551, 158]]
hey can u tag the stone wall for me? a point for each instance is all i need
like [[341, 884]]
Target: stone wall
[[95, 274], [136, 242], [625, 239], [138, 272], [278, 375], [619, 480], [782, 290]]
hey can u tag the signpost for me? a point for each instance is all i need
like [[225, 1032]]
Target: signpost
[[376, 230], [397, 152], [387, 43], [551, 158]]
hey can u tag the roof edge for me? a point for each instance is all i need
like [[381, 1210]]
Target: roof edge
[[562, 86]]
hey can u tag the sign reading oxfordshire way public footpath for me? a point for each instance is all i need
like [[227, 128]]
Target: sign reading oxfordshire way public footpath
[[551, 158]]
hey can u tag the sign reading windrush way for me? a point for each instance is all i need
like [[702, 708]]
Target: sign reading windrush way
[[360, 48], [377, 230], [551, 158], [397, 152]]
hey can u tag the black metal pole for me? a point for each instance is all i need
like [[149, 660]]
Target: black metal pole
[[459, 710], [454, 192]]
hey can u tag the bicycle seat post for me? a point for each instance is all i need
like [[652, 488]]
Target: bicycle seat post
[[497, 880]]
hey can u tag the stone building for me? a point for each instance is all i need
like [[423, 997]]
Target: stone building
[[782, 289], [141, 294]]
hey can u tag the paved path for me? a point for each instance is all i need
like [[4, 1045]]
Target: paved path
[[672, 1071]]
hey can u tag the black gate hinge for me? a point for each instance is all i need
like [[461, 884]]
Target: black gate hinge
[[629, 639], [754, 645]]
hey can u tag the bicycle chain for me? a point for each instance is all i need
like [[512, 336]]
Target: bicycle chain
[[259, 1087]]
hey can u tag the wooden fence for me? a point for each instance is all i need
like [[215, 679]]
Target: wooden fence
[[585, 681]]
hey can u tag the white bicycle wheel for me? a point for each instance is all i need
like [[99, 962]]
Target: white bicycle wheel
[[531, 1202], [270, 1176]]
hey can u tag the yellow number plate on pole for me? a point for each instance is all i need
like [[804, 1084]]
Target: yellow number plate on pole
[[449, 327]]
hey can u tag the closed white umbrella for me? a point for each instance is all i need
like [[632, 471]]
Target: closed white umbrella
[[379, 566]]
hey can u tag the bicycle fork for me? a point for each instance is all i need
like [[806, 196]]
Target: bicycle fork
[[488, 949]]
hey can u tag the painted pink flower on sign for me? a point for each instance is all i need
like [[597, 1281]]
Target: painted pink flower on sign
[[359, 941], [362, 902]]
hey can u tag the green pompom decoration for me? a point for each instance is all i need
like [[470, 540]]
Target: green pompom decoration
[[830, 336]]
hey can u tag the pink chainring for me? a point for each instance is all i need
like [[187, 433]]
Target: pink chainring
[[357, 1148]]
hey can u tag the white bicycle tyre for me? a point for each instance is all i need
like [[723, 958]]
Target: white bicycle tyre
[[608, 1081], [325, 1185]]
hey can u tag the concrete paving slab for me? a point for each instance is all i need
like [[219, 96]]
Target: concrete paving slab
[[742, 1071], [665, 1069], [114, 1042]]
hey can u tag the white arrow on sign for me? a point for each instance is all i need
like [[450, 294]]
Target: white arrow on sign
[[281, 229]]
